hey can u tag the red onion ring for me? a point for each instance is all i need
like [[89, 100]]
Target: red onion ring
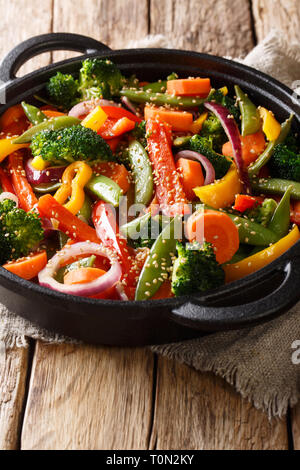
[[210, 174], [108, 280], [129, 105], [11, 196], [85, 107], [120, 291], [49, 175], [233, 134]]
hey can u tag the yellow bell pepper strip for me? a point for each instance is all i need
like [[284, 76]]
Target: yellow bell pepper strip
[[39, 163], [95, 119], [271, 126], [253, 263], [224, 90], [7, 147], [74, 179], [198, 123], [221, 193]]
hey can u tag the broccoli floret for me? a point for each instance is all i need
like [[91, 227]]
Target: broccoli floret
[[63, 90], [139, 133], [212, 129], [196, 269], [20, 231], [69, 145], [263, 213], [99, 79], [218, 97], [203, 145], [285, 162]]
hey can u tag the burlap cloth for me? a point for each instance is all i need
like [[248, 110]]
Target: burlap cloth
[[257, 361]]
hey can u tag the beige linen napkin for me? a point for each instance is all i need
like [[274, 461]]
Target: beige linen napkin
[[262, 362]]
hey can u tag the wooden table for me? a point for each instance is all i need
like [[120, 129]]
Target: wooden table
[[83, 397]]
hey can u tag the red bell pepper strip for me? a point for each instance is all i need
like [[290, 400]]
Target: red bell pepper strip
[[5, 182], [109, 234], [26, 196], [68, 223], [116, 112], [244, 202], [169, 190]]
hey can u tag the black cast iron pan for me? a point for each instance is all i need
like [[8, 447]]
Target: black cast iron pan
[[255, 299]]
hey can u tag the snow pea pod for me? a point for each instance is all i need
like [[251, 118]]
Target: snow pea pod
[[85, 212], [280, 221], [254, 169], [105, 189], [34, 114], [251, 122], [156, 87], [142, 173], [133, 229], [252, 233], [155, 269], [276, 186], [140, 96], [52, 124]]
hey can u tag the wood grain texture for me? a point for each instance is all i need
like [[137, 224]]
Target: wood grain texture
[[295, 417], [201, 412], [84, 397], [22, 20], [112, 22], [204, 26], [280, 14], [13, 371]]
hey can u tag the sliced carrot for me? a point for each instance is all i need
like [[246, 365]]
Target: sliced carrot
[[82, 275], [50, 113], [116, 172], [28, 267], [121, 126], [179, 120], [164, 292], [253, 146], [216, 228], [189, 87], [11, 116], [191, 176]]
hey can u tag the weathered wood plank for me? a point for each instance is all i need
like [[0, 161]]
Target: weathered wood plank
[[114, 23], [22, 20], [13, 371], [84, 397], [214, 27], [296, 426], [200, 411], [280, 14]]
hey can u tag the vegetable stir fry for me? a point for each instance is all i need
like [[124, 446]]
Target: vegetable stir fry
[[128, 190]]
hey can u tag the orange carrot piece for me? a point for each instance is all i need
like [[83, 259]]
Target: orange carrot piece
[[50, 113], [253, 146], [216, 228], [68, 223], [115, 172], [189, 87], [28, 267], [179, 120], [191, 176], [11, 116], [82, 275], [164, 292], [121, 126]]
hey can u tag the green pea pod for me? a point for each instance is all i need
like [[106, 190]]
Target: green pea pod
[[252, 233], [142, 173], [45, 188], [255, 168], [251, 121], [106, 189], [280, 221], [62, 239], [52, 124], [82, 263], [86, 210], [133, 228], [276, 186], [155, 269], [34, 114], [156, 87], [181, 141], [138, 96]]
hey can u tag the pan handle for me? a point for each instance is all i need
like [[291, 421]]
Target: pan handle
[[199, 315], [46, 43]]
